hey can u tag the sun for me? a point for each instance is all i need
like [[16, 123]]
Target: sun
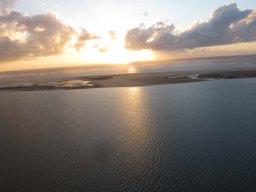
[[109, 50], [119, 56]]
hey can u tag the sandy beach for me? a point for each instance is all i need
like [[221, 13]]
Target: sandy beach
[[126, 80]]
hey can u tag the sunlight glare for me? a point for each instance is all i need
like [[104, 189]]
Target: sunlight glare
[[132, 70], [134, 89], [114, 57]]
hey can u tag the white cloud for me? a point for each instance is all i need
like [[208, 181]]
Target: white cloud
[[24, 37]]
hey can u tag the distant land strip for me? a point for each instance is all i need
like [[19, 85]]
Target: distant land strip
[[127, 80]]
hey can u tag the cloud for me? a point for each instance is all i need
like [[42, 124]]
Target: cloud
[[227, 25], [26, 37], [112, 35], [32, 36], [146, 13], [5, 4], [83, 37], [103, 49]]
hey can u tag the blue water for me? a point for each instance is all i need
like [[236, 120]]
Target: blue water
[[183, 137]]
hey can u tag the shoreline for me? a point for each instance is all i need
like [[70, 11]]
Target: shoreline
[[127, 80]]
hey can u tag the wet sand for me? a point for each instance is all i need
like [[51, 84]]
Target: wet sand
[[127, 80]]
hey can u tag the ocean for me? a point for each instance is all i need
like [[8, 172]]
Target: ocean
[[182, 137]]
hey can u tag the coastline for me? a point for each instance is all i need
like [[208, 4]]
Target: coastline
[[127, 80]]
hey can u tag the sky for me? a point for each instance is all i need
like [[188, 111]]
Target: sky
[[52, 33]]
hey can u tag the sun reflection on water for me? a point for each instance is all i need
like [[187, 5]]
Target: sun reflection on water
[[134, 89], [138, 139]]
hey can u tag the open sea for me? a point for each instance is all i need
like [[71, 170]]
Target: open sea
[[181, 137]]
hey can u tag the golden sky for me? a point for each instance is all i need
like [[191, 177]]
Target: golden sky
[[42, 34]]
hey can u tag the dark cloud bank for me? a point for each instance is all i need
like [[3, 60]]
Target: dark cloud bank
[[227, 25], [24, 37]]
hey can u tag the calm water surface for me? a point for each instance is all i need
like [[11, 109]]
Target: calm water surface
[[183, 137]]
